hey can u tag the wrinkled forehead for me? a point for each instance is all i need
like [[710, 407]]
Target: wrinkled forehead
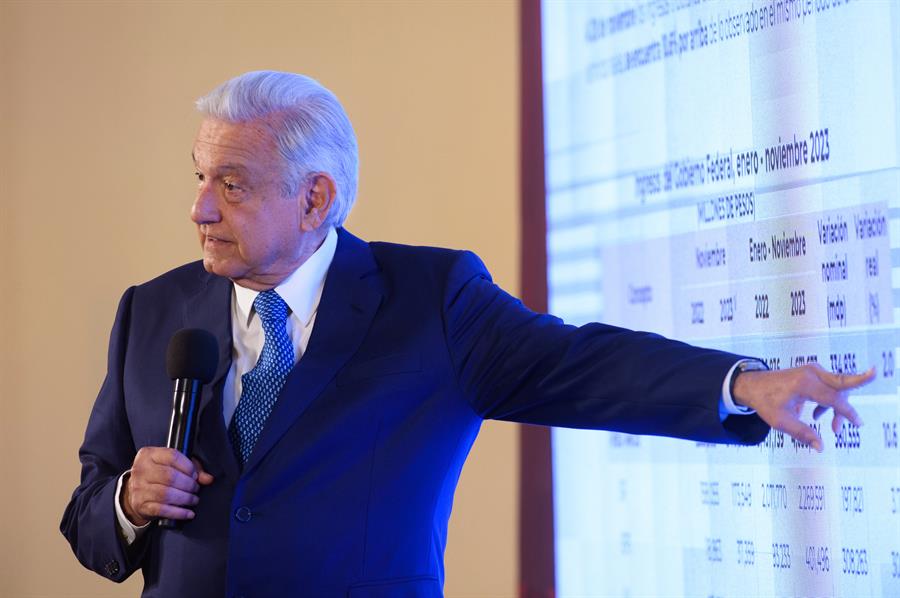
[[246, 143]]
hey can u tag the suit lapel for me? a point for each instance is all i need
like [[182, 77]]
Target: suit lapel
[[210, 309], [349, 301]]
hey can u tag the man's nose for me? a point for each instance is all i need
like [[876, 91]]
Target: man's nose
[[205, 208]]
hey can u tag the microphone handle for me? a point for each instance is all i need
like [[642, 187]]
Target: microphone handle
[[183, 426]]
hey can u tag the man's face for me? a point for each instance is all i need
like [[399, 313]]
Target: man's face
[[249, 231]]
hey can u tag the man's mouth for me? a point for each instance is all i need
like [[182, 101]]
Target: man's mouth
[[213, 239]]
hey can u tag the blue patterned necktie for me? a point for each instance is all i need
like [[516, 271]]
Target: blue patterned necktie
[[263, 383]]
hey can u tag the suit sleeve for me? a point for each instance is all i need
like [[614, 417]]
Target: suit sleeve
[[517, 365], [89, 521]]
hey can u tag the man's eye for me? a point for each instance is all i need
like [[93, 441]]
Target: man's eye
[[230, 186], [199, 176]]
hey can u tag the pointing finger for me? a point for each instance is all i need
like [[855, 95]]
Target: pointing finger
[[845, 381]]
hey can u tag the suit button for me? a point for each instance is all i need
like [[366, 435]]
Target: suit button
[[243, 514], [111, 568]]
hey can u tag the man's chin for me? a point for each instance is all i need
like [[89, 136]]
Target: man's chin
[[219, 267]]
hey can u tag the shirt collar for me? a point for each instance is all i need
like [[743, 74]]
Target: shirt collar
[[301, 290]]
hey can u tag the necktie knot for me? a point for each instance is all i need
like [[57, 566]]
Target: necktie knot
[[271, 308]]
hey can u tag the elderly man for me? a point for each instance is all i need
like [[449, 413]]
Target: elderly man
[[352, 380]]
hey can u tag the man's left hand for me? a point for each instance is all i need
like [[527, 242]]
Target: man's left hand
[[778, 398]]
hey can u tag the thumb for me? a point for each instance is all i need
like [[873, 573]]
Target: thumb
[[203, 477]]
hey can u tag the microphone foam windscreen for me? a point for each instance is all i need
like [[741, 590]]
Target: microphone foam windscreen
[[193, 353]]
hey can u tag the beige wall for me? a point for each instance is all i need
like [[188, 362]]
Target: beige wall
[[96, 125]]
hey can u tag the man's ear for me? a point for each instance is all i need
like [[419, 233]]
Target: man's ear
[[315, 205]]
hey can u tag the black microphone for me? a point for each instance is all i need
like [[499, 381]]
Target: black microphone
[[191, 361]]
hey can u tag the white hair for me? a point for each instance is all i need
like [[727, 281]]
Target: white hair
[[310, 127]]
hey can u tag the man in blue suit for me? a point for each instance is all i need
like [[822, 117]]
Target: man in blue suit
[[352, 380]]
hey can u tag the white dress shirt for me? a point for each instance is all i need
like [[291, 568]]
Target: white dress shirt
[[302, 291]]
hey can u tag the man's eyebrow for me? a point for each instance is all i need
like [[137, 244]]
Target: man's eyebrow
[[231, 167], [224, 167]]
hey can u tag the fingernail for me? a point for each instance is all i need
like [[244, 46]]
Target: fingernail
[[190, 514], [194, 475], [817, 444], [858, 421]]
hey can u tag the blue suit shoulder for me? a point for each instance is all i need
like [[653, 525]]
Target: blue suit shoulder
[[437, 265], [189, 278], [167, 294]]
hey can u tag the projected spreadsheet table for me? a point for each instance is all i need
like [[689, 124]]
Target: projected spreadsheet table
[[735, 186]]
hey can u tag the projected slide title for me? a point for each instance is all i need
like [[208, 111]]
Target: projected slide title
[[714, 168]]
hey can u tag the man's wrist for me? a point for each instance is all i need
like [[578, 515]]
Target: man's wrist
[[133, 518], [129, 531], [733, 399]]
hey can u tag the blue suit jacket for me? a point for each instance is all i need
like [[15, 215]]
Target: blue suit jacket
[[349, 489]]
